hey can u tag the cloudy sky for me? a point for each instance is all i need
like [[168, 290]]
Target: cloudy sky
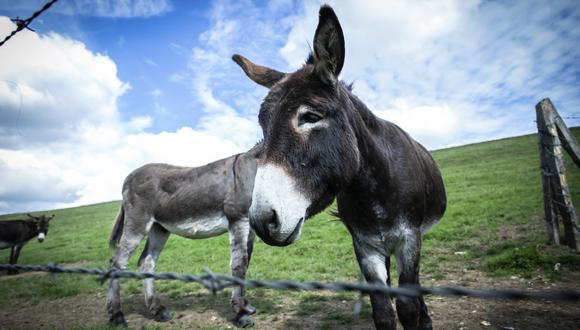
[[105, 86]]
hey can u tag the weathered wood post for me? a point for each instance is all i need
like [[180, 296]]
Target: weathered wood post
[[547, 138], [552, 135]]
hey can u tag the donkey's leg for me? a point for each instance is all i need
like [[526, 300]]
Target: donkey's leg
[[424, 318], [134, 229], [412, 312], [156, 240], [251, 238], [373, 265], [14, 254], [241, 245]]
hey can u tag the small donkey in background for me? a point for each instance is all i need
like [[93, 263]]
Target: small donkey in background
[[16, 233]]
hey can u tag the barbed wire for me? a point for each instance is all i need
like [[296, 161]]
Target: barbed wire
[[217, 282], [22, 24]]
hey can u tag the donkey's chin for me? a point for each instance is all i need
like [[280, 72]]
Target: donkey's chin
[[294, 235], [278, 237]]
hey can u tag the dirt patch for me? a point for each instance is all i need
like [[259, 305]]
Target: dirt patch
[[323, 310]]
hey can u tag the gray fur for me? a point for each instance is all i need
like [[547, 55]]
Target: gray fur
[[195, 203]]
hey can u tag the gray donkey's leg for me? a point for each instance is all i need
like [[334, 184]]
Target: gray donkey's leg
[[134, 229], [155, 242], [241, 244]]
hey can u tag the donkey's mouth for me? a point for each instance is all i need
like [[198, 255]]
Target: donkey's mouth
[[292, 238], [268, 239]]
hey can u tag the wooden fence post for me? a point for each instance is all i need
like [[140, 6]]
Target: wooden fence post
[[557, 197], [546, 139]]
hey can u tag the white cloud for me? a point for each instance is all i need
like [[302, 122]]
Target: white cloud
[[116, 8], [35, 95], [176, 77], [230, 101], [440, 125], [377, 28], [156, 92], [150, 62], [475, 68], [71, 146], [98, 8]]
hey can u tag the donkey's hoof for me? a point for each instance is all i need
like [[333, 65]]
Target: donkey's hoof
[[118, 320], [163, 315], [249, 309], [243, 321]]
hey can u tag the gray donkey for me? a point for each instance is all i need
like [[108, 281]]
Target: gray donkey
[[199, 202]]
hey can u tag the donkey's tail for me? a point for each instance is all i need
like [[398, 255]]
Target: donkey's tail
[[117, 228]]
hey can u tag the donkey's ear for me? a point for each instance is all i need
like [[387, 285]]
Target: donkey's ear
[[51, 217], [30, 215], [328, 46], [260, 74]]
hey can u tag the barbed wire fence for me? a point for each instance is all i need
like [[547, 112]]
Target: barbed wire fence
[[218, 282], [23, 24]]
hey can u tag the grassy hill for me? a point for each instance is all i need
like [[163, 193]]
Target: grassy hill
[[494, 223]]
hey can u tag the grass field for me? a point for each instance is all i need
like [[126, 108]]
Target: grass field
[[493, 224]]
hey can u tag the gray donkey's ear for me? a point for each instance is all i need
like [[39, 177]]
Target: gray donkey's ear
[[260, 74], [328, 46]]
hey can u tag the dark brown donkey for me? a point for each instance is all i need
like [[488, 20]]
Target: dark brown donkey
[[15, 234], [321, 142], [195, 203]]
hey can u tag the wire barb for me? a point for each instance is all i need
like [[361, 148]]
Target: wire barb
[[22, 24]]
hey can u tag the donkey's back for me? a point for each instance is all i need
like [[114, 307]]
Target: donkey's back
[[170, 193]]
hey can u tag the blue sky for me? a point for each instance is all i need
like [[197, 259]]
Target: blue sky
[[105, 86]]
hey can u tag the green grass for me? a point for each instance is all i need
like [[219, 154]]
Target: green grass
[[528, 260], [494, 217]]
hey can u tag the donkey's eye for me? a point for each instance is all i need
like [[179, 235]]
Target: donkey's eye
[[309, 117]]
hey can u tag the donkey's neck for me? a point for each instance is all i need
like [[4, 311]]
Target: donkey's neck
[[367, 127], [378, 140], [32, 229]]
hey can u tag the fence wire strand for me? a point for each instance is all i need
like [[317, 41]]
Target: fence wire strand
[[217, 282], [23, 24]]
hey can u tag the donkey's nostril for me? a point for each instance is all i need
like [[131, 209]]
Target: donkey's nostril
[[273, 223]]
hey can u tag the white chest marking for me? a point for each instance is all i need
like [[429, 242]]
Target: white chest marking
[[210, 226]]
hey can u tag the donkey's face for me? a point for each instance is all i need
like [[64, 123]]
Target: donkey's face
[[41, 223], [310, 149]]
